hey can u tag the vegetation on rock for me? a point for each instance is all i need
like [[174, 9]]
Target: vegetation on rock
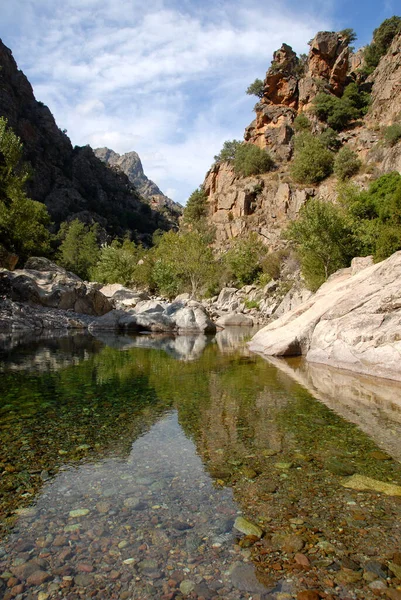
[[23, 222], [244, 260], [312, 162], [256, 88], [346, 163], [382, 38], [392, 134]]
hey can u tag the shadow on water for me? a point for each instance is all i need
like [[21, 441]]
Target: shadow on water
[[125, 460]]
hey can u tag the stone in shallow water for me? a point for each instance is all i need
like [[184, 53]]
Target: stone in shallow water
[[186, 587], [79, 512], [243, 577], [361, 482], [247, 527], [131, 502]]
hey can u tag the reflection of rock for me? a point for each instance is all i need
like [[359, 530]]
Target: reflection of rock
[[182, 347], [47, 353], [229, 338], [371, 403]]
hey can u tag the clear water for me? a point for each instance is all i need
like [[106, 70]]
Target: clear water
[[125, 461]]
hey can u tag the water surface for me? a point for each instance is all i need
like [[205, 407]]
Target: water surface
[[125, 461]]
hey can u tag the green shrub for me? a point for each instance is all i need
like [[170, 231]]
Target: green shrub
[[251, 304], [336, 112], [22, 220], [346, 164], [273, 263], [348, 35], [117, 263], [312, 162], [79, 249], [301, 123], [256, 88], [382, 38], [330, 139], [251, 160], [243, 261], [196, 207], [323, 239], [392, 134], [227, 153], [358, 98], [375, 215]]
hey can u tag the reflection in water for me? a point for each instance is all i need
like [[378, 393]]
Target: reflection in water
[[123, 469], [372, 403]]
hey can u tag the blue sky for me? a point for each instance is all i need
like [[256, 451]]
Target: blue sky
[[164, 78]]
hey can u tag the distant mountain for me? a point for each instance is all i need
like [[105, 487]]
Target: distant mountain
[[131, 165], [72, 182]]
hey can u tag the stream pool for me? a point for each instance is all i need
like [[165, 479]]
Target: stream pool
[[125, 462]]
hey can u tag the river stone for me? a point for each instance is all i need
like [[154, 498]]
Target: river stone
[[243, 577], [247, 527], [79, 512], [362, 483], [132, 502], [186, 587], [396, 569], [338, 467], [234, 320]]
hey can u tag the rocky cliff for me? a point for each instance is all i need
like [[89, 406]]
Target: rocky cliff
[[130, 164], [72, 182], [265, 203]]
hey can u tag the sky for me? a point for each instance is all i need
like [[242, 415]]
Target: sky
[[165, 78]]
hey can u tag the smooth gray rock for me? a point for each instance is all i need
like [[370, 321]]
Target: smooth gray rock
[[234, 320]]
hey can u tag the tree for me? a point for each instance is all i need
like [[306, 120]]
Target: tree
[[392, 134], [79, 250], [227, 153], [323, 239], [183, 262], [22, 220], [348, 35], [382, 38], [302, 123], [117, 263], [243, 261], [312, 162], [196, 207], [346, 164], [256, 88], [251, 160], [336, 112]]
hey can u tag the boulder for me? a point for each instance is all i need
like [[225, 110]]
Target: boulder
[[52, 286], [193, 319], [234, 320], [352, 322]]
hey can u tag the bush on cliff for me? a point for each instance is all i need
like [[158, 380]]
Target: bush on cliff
[[346, 164], [382, 38], [251, 160], [22, 220], [312, 162]]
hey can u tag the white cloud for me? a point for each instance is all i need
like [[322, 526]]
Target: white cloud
[[165, 80]]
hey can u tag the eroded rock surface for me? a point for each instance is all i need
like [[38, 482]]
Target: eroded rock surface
[[353, 322]]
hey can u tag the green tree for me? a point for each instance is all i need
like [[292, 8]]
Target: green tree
[[79, 249], [227, 153], [302, 123], [244, 259], [312, 162], [336, 112], [392, 134], [346, 163], [117, 263], [252, 160], [323, 239], [183, 262], [382, 38], [256, 88], [348, 35], [196, 207], [22, 220]]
